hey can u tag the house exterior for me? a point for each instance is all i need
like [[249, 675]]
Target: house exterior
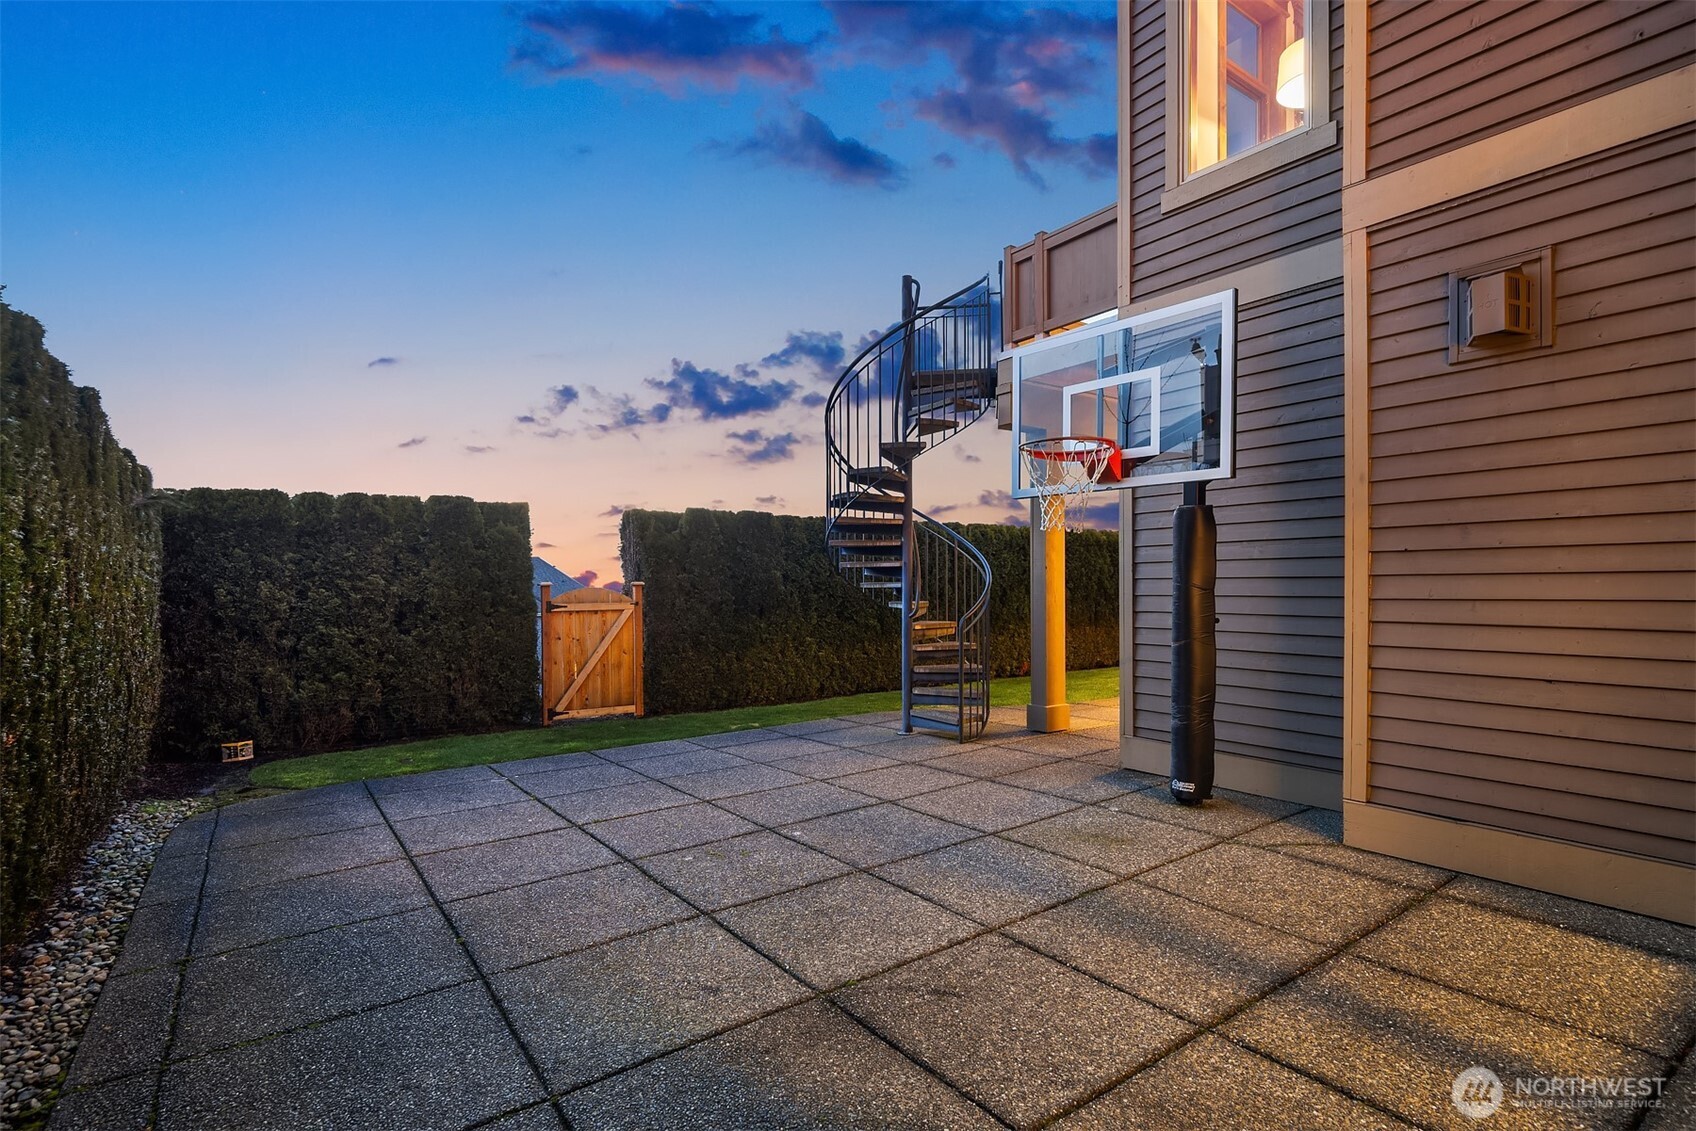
[[1457, 561]]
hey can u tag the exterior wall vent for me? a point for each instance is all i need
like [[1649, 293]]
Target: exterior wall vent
[[1501, 307]]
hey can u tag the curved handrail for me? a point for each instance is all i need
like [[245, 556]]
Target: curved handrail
[[918, 313], [959, 540], [896, 332], [870, 405], [962, 589]]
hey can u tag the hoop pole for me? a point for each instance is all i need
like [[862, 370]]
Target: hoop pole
[[1195, 571], [1048, 711]]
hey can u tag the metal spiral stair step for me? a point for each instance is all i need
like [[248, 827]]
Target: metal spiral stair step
[[876, 476], [938, 725], [964, 378], [949, 403], [864, 543], [931, 697], [865, 524], [862, 501], [946, 673], [930, 425], [870, 563]]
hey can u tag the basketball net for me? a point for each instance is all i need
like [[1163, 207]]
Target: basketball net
[[1064, 470]]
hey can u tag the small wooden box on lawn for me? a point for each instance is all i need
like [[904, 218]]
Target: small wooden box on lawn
[[236, 751]]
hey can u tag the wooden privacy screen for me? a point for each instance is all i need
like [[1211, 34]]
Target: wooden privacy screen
[[1061, 278], [591, 653]]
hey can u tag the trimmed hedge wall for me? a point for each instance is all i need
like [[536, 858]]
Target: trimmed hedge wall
[[746, 608], [79, 621], [320, 621]]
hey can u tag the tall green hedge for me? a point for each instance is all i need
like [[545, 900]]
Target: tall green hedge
[[319, 621], [746, 608], [79, 620]]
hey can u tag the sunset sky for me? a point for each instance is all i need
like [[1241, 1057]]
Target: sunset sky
[[588, 256]]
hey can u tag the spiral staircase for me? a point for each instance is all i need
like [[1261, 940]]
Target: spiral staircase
[[914, 388]]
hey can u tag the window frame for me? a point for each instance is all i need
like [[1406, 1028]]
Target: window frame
[[1317, 134]]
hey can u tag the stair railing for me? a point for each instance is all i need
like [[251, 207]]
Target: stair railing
[[872, 402], [878, 417], [957, 580]]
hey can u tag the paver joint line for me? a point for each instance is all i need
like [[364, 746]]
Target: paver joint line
[[536, 1073], [182, 971]]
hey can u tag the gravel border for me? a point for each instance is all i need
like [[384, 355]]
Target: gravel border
[[48, 992]]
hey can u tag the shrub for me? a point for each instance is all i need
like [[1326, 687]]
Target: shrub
[[79, 620], [320, 621], [746, 608]]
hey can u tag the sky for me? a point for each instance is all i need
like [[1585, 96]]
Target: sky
[[588, 256]]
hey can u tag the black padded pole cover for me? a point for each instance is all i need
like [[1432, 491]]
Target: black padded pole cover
[[1195, 568]]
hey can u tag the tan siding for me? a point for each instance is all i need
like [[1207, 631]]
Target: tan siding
[[1658, 469], [1627, 441], [1543, 669], [1579, 409], [1537, 587], [1540, 813], [1670, 556], [1533, 516], [1405, 742], [1447, 74], [1473, 705], [1280, 548], [1546, 639], [1586, 701]]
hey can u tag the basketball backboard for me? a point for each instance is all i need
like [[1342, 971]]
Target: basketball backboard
[[1158, 384]]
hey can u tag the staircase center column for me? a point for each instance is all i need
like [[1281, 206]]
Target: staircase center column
[[1048, 710], [909, 601]]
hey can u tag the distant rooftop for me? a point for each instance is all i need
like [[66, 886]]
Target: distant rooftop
[[546, 573]]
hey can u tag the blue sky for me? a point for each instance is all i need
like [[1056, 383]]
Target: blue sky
[[589, 256]]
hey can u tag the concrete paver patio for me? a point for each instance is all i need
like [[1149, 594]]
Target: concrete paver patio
[[828, 925]]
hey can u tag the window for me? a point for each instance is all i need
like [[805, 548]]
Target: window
[[1247, 92], [1244, 82]]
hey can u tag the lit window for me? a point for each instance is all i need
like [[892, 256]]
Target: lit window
[[1245, 81]]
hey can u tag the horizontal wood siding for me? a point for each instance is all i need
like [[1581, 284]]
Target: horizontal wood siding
[[1442, 75], [1296, 205], [1280, 591], [1533, 518]]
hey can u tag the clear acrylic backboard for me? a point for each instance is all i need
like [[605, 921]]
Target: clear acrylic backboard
[[1159, 385]]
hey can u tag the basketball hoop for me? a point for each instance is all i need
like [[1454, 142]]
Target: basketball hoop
[[1064, 470]]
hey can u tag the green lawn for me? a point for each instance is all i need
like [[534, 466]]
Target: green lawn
[[598, 734]]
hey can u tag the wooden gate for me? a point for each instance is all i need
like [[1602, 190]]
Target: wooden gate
[[591, 653]]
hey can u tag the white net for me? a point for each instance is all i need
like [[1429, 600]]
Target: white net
[[1065, 470]]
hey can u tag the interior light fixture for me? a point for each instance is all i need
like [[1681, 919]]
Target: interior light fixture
[[1292, 77]]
